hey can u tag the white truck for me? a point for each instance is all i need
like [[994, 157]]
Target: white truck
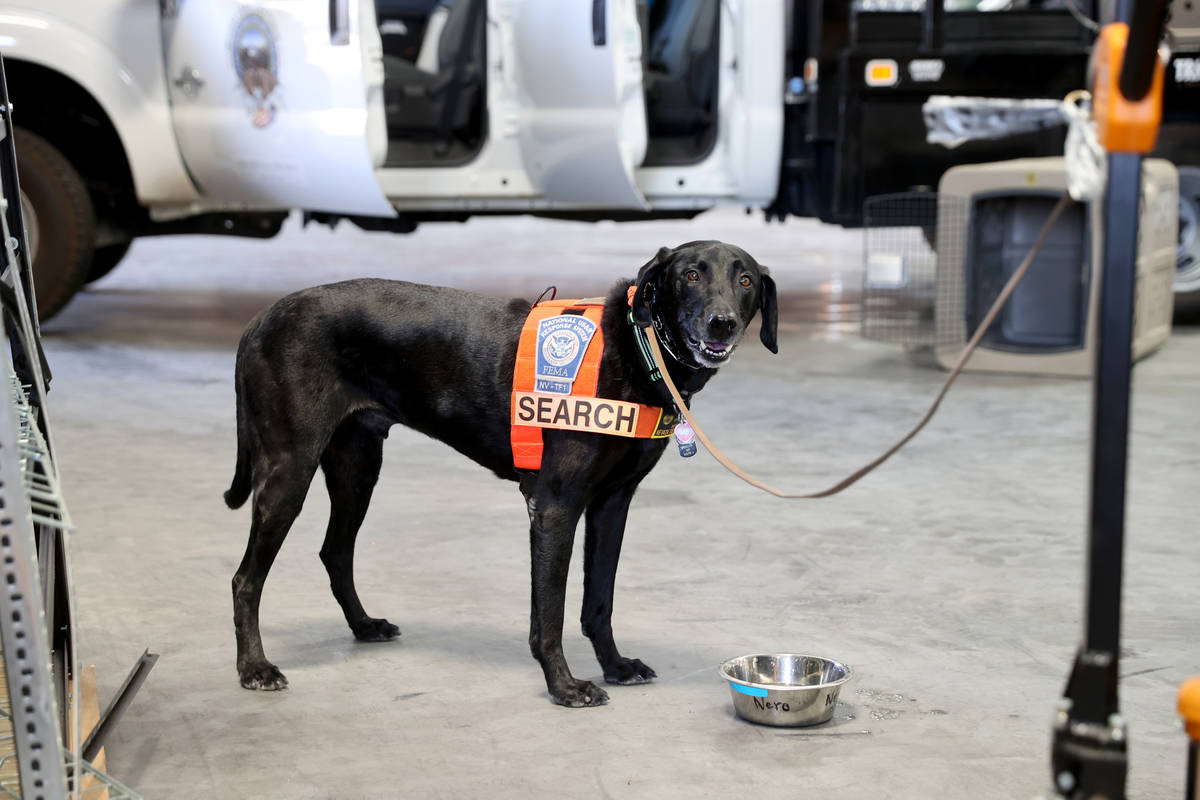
[[148, 117], [141, 117]]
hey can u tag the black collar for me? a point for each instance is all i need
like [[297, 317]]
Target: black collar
[[664, 339], [653, 370], [643, 345]]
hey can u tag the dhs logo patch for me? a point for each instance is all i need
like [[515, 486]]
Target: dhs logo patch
[[561, 343]]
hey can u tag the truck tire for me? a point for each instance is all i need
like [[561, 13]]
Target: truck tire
[[106, 259], [56, 199], [1187, 265]]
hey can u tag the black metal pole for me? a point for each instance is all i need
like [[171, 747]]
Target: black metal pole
[[1146, 21], [120, 702], [931, 26], [1193, 773], [22, 351], [1089, 754], [1110, 405], [1088, 758]]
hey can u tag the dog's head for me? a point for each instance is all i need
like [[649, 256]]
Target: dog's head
[[700, 297]]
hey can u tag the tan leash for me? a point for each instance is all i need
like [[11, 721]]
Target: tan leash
[[963, 357]]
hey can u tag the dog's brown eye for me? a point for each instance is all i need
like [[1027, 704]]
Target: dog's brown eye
[[745, 280], [692, 275]]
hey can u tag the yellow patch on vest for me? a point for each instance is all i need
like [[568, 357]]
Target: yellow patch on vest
[[665, 426]]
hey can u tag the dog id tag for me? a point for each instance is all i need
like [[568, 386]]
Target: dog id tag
[[685, 437]]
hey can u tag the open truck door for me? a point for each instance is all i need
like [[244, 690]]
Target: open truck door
[[273, 105], [582, 112]]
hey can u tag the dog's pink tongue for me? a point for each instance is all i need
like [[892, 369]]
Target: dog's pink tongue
[[717, 347]]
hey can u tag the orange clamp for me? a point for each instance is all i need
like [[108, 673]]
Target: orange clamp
[[1123, 126], [1189, 707]]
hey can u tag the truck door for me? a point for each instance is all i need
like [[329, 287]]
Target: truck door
[[582, 114], [271, 103]]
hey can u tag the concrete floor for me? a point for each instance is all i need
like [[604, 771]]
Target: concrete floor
[[951, 579]]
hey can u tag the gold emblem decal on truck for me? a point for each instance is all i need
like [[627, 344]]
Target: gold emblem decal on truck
[[256, 61]]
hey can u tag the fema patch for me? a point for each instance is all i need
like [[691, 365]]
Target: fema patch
[[561, 343]]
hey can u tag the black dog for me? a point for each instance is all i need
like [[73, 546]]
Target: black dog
[[324, 373]]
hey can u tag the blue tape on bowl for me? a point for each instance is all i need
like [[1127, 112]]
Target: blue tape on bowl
[[750, 690]]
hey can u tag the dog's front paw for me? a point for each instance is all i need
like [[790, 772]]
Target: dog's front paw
[[263, 675], [627, 671], [374, 630], [580, 694]]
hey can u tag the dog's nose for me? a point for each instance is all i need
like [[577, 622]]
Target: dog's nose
[[721, 326]]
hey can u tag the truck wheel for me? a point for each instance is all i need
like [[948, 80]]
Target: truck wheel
[[1187, 265], [106, 259], [56, 206]]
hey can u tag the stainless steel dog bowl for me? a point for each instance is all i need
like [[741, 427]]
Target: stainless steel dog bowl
[[784, 689]]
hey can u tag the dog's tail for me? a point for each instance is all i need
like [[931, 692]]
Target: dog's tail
[[239, 490]]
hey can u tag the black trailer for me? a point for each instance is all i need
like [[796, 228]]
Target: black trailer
[[860, 71]]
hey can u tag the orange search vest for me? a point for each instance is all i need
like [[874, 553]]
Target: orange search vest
[[580, 409]]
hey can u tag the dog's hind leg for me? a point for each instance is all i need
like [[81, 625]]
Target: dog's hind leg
[[276, 505], [351, 464], [604, 529]]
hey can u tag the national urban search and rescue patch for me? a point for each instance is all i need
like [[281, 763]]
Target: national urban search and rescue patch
[[561, 343]]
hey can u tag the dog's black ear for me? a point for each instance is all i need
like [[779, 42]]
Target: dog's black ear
[[647, 279], [769, 308]]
